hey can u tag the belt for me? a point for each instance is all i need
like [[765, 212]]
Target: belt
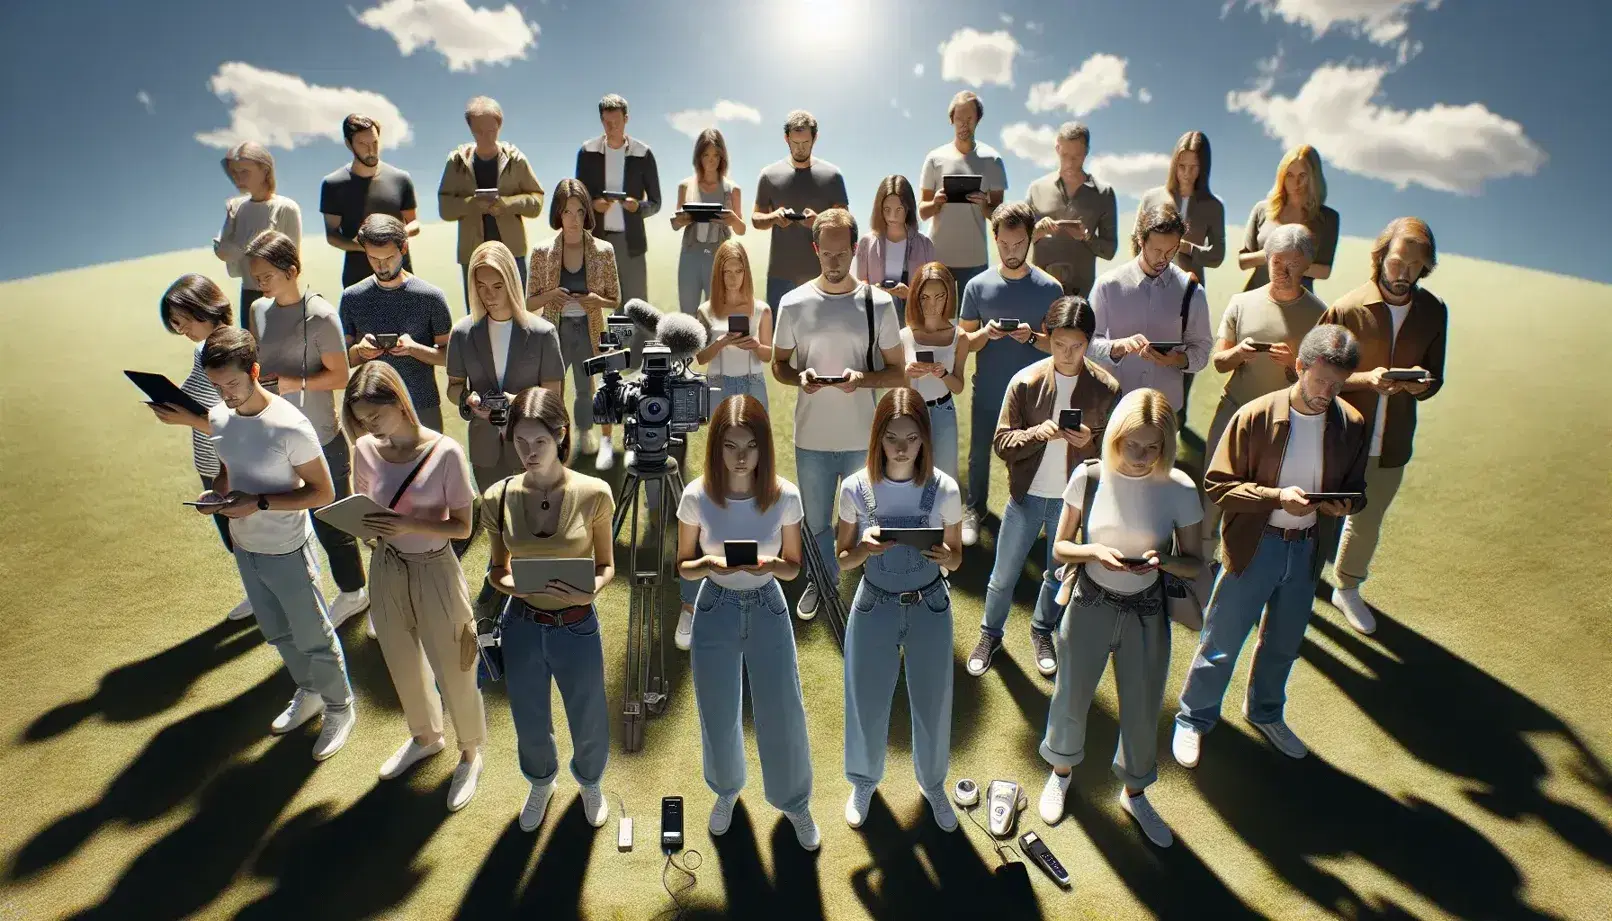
[[905, 599], [564, 617], [1289, 534], [940, 402]]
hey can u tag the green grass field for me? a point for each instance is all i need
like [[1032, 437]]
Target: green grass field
[[1459, 766]]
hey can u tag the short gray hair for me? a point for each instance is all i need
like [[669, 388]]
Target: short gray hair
[[1332, 344], [1075, 131], [1291, 238], [483, 105]]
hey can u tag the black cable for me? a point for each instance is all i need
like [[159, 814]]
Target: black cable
[[687, 869]]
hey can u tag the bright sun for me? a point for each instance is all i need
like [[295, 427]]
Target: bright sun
[[827, 25]]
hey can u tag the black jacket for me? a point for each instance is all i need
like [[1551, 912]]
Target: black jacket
[[640, 180]]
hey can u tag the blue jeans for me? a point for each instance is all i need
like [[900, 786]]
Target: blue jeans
[[776, 289], [576, 347], [984, 410], [749, 632], [943, 435], [290, 610], [520, 266], [818, 474], [694, 276], [1278, 581], [881, 635], [536, 658], [1022, 522]]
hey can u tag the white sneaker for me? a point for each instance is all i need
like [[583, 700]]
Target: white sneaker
[[1052, 797], [304, 706], [463, 786], [941, 807], [241, 611], [333, 734], [606, 457], [595, 808], [346, 605], [410, 754], [537, 806], [684, 637], [1187, 746], [722, 814], [590, 442], [805, 830], [1354, 609], [806, 607], [369, 625], [1146, 816], [856, 806], [971, 527], [1283, 738]]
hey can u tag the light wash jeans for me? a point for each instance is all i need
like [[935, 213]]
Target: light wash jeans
[[694, 276], [740, 633], [291, 612], [536, 658], [943, 435], [818, 474], [1022, 521], [883, 635], [1277, 581]]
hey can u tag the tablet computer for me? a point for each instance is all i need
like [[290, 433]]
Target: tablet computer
[[347, 515], [737, 553], [535, 575], [1406, 374], [960, 186], [162, 390], [829, 380], [738, 323], [917, 538], [703, 211], [1333, 496]]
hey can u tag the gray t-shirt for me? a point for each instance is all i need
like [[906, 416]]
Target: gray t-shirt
[[418, 308], [353, 198], [289, 346], [958, 229], [818, 187], [988, 297]]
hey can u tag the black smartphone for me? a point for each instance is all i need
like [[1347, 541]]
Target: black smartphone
[[739, 324], [1069, 419], [614, 196], [740, 552], [1333, 496], [1405, 374], [794, 215], [1136, 561], [1008, 325], [831, 379], [1261, 346], [924, 356], [1037, 850], [1165, 347], [671, 823], [916, 538], [386, 341], [219, 504], [486, 193]]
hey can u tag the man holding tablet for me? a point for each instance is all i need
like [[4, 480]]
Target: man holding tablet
[[271, 472], [962, 183]]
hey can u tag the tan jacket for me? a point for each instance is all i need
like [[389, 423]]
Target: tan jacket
[[1028, 403], [598, 266], [1247, 466], [516, 183], [1421, 342]]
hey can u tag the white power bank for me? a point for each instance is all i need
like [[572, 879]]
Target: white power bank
[[624, 835]]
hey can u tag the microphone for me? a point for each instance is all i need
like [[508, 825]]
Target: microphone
[[682, 335], [643, 315]]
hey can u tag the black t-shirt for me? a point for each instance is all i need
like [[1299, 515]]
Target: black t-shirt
[[487, 178], [353, 198]]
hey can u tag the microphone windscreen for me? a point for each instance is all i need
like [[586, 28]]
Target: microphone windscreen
[[681, 334], [643, 314]]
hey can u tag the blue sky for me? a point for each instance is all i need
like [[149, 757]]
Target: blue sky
[[103, 101]]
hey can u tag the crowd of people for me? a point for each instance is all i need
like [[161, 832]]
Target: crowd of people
[[1079, 388]]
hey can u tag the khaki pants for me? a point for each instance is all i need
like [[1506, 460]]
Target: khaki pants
[[1360, 532], [421, 610]]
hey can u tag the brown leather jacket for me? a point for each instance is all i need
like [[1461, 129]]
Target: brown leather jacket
[[1028, 403]]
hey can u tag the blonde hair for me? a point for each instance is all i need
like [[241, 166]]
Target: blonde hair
[[496, 256], [1277, 200], [378, 383], [731, 250], [1139, 409], [252, 152]]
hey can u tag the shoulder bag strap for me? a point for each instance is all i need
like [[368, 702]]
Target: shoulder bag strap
[[866, 489], [503, 506], [1186, 304], [1094, 470], [867, 302], [409, 480]]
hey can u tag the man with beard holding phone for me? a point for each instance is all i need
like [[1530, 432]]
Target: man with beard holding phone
[[789, 196], [1401, 327], [364, 187]]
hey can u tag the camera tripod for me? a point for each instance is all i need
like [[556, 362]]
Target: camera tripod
[[646, 689]]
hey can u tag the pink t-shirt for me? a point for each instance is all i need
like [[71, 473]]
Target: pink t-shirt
[[442, 484]]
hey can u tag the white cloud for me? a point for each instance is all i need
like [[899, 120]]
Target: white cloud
[[1100, 78], [1130, 174], [144, 99], [1445, 147], [463, 34], [692, 121], [282, 110], [1031, 142], [978, 58], [1382, 21], [1006, 19], [1033, 26], [1143, 96], [917, 70]]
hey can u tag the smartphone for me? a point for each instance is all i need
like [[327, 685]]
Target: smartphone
[[794, 215], [1333, 496], [739, 324], [1405, 374], [831, 379], [888, 283], [740, 552], [1008, 325], [1165, 347], [1261, 346], [1137, 561], [219, 504], [671, 823], [614, 196], [386, 341], [924, 356], [486, 193], [1069, 419]]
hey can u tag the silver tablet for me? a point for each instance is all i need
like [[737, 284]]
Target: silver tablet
[[535, 575], [347, 515]]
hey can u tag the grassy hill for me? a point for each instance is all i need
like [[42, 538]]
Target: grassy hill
[[1459, 764]]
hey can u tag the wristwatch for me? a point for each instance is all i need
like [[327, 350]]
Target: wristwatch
[[263, 503], [1033, 337]]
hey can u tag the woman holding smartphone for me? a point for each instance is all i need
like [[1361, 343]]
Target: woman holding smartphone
[[743, 625], [194, 306], [303, 357], [1298, 197], [902, 611], [573, 284], [421, 608], [931, 326], [890, 254], [1141, 505], [551, 636], [257, 208], [697, 278]]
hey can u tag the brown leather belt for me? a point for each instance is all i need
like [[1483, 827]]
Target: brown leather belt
[[1289, 534], [564, 617]]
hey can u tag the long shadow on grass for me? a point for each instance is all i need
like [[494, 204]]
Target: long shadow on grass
[[143, 689], [795, 892], [1452, 715], [172, 767], [555, 887]]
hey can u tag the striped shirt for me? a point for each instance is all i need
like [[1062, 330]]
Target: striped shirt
[[200, 389]]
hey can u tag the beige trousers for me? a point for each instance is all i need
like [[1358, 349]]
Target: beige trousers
[[423, 622], [1360, 532]]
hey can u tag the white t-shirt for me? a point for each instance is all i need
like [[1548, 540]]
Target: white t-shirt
[[498, 334], [1398, 314], [900, 500], [829, 334], [740, 520], [1133, 515], [958, 229], [615, 219], [1301, 465], [930, 388], [895, 261], [1053, 475], [736, 362], [262, 453]]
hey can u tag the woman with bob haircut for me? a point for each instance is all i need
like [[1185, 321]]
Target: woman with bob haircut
[[257, 208], [1139, 505], [743, 625], [551, 637], [710, 185], [902, 611], [420, 605], [1298, 197], [930, 325], [894, 249]]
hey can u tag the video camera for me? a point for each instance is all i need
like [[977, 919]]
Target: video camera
[[667, 399]]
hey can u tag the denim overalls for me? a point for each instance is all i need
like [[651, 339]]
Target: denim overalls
[[902, 605]]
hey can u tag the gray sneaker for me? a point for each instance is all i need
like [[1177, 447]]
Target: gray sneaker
[[806, 607], [1283, 738]]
